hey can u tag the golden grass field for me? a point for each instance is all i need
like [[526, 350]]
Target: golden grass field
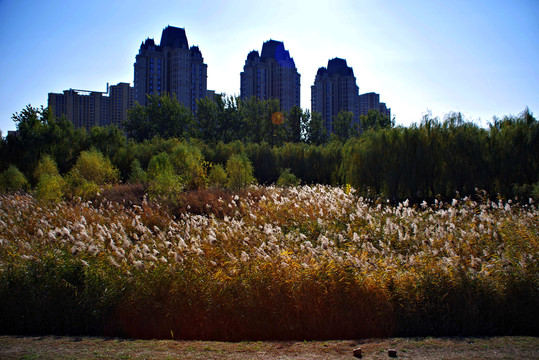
[[301, 263]]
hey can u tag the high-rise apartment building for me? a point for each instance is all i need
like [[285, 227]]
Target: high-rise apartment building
[[93, 108], [271, 74], [371, 101], [335, 90], [121, 98], [172, 67]]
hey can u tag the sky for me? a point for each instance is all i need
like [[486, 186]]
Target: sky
[[480, 58]]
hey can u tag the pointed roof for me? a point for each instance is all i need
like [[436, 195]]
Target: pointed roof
[[253, 56], [174, 37], [339, 66], [273, 49]]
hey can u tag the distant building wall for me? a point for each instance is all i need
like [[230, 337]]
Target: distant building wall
[[335, 90], [271, 75], [170, 68], [92, 108], [369, 101], [121, 99]]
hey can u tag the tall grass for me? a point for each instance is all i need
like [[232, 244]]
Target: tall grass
[[311, 262]]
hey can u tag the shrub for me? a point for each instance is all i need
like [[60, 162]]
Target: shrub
[[50, 188], [184, 156], [239, 171], [287, 179], [188, 162], [159, 164], [217, 177], [137, 174], [12, 180], [45, 166], [94, 167], [166, 187], [535, 191], [78, 186]]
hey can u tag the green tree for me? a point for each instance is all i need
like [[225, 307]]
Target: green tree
[[50, 185], [294, 124], [164, 116], [317, 132], [263, 159], [38, 133], [108, 140], [233, 125], [30, 120], [375, 120], [208, 120], [252, 112], [63, 142], [263, 121], [292, 156], [344, 126]]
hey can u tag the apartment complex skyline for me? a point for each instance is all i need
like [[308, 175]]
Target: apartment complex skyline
[[172, 67], [93, 108], [272, 74]]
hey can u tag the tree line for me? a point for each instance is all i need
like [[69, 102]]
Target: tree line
[[228, 119], [435, 157]]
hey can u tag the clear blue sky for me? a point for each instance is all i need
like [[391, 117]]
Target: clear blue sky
[[477, 57]]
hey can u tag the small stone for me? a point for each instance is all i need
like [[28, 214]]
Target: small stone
[[358, 352], [392, 353]]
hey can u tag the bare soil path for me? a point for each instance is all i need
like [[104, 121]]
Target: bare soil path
[[51, 347]]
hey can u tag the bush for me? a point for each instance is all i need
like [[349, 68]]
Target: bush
[[94, 167], [287, 179], [159, 164], [535, 191], [239, 171], [78, 186], [45, 166], [137, 174], [217, 177], [166, 187], [12, 180], [50, 188], [188, 162]]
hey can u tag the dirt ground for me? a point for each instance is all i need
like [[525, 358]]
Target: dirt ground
[[51, 347]]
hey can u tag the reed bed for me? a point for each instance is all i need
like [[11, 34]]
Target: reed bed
[[308, 262]]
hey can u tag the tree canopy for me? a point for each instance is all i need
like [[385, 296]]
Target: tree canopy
[[428, 159]]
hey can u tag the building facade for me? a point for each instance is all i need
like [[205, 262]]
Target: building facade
[[93, 108], [121, 98], [335, 90], [371, 101], [271, 75], [172, 68]]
